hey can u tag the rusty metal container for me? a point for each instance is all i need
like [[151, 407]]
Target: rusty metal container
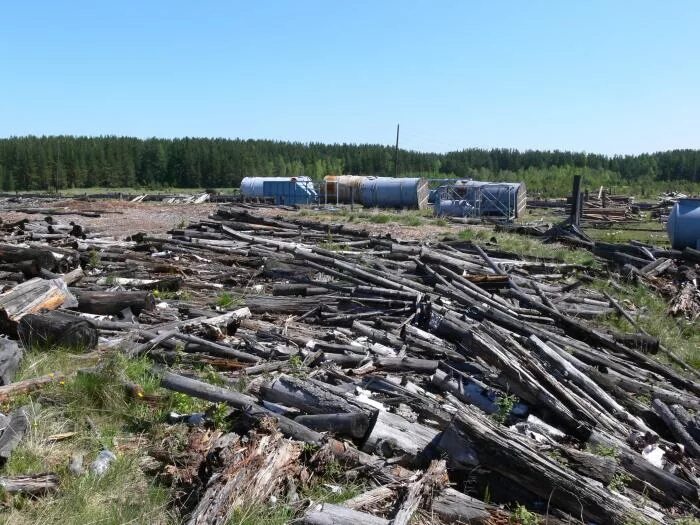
[[342, 189]]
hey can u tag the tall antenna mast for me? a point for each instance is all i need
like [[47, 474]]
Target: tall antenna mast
[[396, 154]]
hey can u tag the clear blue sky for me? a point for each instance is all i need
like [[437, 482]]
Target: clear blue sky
[[602, 76]]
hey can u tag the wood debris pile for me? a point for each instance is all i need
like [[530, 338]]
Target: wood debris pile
[[672, 273], [438, 373]]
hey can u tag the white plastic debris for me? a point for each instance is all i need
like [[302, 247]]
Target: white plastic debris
[[102, 463], [654, 455]]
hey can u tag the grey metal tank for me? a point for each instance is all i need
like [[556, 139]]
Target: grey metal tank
[[390, 192], [683, 224], [494, 199]]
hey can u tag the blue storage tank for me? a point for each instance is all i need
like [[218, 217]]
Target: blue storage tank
[[391, 192], [683, 224], [290, 192], [252, 187]]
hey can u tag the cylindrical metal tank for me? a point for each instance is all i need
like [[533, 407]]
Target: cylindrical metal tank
[[390, 192], [683, 224], [252, 187], [342, 189]]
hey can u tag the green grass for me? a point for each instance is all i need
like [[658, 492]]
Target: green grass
[[680, 336], [122, 495], [527, 246], [229, 301], [626, 233], [522, 516], [96, 411]]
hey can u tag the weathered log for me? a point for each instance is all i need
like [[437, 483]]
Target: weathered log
[[13, 433], [57, 328], [473, 392], [331, 514], [73, 276], [31, 297], [354, 425], [306, 396], [240, 401], [33, 485], [43, 257], [669, 486], [28, 385], [602, 468], [403, 364], [456, 507], [112, 303], [10, 357], [690, 423], [218, 326], [392, 436], [676, 427], [515, 458], [371, 497], [587, 384]]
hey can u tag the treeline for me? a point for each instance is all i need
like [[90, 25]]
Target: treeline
[[47, 163]]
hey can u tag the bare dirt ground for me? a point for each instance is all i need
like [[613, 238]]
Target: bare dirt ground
[[120, 219]]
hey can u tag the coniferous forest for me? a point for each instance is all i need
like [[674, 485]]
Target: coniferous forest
[[63, 162]]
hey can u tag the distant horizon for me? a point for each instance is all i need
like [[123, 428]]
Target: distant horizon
[[307, 143]]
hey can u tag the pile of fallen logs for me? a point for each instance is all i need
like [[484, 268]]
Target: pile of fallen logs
[[672, 273], [458, 381]]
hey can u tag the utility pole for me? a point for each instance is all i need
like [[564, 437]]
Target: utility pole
[[396, 154], [58, 166]]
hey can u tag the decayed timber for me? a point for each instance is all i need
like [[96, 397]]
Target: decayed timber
[[381, 342], [13, 432], [331, 514], [306, 396], [353, 425], [392, 436], [112, 303], [32, 297], [676, 427], [10, 357], [243, 402], [57, 328], [434, 478], [513, 457], [34, 485], [456, 507], [251, 473], [43, 257], [28, 385]]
